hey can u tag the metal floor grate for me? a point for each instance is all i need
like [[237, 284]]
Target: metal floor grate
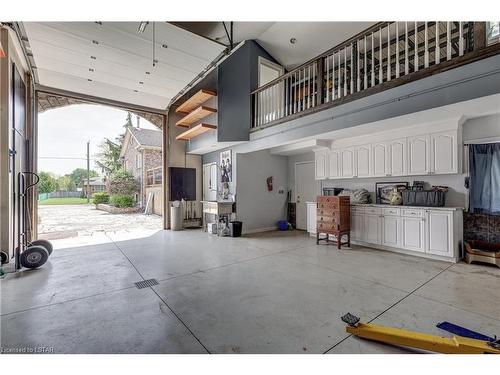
[[146, 283]]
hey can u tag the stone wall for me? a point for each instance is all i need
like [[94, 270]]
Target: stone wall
[[152, 159]]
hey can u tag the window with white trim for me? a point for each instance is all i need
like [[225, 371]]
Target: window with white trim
[[138, 160]]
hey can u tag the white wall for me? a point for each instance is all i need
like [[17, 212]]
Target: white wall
[[258, 208], [478, 128]]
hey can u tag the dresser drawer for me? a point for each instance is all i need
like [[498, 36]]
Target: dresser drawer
[[413, 213], [326, 219], [330, 206], [373, 210], [328, 211], [391, 211], [326, 227]]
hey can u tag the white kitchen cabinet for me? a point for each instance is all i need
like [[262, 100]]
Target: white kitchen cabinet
[[311, 217], [321, 165], [210, 182], [413, 233], [357, 225], [397, 158], [440, 232], [381, 159], [419, 155], [348, 162], [372, 229], [391, 231], [444, 149], [363, 158], [334, 164]]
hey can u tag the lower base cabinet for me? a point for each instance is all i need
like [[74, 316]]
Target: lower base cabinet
[[357, 226], [413, 233], [391, 231], [372, 229]]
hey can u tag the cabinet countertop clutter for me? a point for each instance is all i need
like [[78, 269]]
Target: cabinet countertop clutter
[[434, 232]]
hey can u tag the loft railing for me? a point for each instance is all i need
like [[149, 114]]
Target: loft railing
[[385, 52]]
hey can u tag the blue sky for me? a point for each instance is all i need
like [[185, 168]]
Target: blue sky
[[63, 134]]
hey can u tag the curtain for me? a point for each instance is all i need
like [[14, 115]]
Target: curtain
[[484, 162]]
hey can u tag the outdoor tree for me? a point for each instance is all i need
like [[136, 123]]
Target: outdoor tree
[[80, 174], [47, 183], [66, 183], [108, 158], [123, 183]]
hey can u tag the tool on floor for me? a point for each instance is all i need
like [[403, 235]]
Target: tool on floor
[[464, 332], [403, 337], [28, 254]]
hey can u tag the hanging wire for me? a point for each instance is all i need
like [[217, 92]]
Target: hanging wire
[[154, 44]]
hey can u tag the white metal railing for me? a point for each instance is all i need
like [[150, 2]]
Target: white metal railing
[[385, 52]]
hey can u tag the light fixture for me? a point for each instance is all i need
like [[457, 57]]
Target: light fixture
[[88, 79], [142, 26], [141, 83], [293, 40], [136, 90], [148, 73], [91, 69], [95, 42], [93, 57], [164, 45]]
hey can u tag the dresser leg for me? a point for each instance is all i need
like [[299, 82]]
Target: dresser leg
[[348, 239], [339, 240], [317, 238]]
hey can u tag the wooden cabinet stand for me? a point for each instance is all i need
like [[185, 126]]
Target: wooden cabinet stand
[[333, 219]]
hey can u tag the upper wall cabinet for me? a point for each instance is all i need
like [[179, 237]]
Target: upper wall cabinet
[[363, 158], [419, 155], [321, 164], [348, 162], [444, 148], [381, 157], [334, 164], [398, 157]]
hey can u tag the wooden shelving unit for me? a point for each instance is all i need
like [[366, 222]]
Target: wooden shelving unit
[[195, 131], [194, 116], [195, 101]]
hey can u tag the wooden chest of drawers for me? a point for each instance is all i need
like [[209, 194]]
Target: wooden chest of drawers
[[333, 218]]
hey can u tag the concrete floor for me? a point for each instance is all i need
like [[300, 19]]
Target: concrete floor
[[269, 293]]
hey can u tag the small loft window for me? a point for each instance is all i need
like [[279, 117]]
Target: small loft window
[[268, 71], [492, 32]]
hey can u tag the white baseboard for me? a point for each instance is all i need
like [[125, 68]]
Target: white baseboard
[[258, 230]]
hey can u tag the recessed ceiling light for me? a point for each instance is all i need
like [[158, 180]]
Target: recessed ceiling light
[[148, 73], [95, 42], [88, 79], [93, 57], [99, 23], [136, 90], [293, 40], [91, 70], [141, 83], [155, 61], [164, 45]]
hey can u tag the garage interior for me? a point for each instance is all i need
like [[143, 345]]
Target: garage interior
[[258, 124]]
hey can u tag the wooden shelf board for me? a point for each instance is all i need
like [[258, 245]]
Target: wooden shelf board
[[195, 101], [195, 131], [196, 115]]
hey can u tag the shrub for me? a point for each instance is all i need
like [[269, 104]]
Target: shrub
[[102, 197], [122, 200], [123, 183]]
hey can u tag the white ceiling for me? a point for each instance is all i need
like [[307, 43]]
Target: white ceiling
[[312, 38], [67, 58]]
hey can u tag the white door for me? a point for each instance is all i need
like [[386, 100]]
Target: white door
[[372, 228], [398, 160], [334, 164], [321, 165], [440, 232], [357, 224], [444, 152], [413, 233], [305, 191], [311, 218], [363, 161], [210, 182], [380, 160], [418, 155], [391, 231], [348, 166]]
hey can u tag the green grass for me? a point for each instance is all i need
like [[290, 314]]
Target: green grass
[[63, 201]]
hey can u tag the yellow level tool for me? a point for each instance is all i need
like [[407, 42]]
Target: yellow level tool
[[402, 337]]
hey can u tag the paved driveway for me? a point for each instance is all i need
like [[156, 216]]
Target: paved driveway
[[77, 225]]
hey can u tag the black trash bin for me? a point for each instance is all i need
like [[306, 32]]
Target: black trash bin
[[235, 228]]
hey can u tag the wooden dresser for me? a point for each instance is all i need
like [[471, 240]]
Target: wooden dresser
[[333, 218]]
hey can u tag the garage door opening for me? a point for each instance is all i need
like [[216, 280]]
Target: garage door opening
[[100, 172]]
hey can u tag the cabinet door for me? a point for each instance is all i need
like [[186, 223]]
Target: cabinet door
[[413, 233], [440, 233], [348, 165], [363, 158], [321, 165], [391, 231], [398, 159], [418, 155], [444, 152], [357, 225], [311, 218], [372, 229], [334, 164], [380, 159]]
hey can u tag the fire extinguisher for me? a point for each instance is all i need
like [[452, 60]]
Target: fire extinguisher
[[269, 182]]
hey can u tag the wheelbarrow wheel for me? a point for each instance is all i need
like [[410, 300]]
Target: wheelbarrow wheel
[[34, 257], [43, 243], [4, 257]]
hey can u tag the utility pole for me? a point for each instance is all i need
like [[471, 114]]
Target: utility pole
[[88, 171]]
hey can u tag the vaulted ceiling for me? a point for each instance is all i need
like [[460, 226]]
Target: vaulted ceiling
[[114, 60]]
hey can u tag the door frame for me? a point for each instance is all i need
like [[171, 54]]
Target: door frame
[[295, 186]]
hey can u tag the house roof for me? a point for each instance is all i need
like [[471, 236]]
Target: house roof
[[94, 181], [146, 137]]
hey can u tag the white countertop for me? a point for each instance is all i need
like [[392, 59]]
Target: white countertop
[[400, 206]]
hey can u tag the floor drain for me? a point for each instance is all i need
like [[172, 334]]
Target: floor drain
[[146, 283]]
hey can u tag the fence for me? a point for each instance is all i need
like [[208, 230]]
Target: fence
[[60, 194]]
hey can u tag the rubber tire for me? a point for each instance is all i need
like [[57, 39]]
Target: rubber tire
[[34, 257], [4, 257], [43, 243]]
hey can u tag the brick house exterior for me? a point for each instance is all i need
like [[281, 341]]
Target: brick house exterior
[[141, 153]]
